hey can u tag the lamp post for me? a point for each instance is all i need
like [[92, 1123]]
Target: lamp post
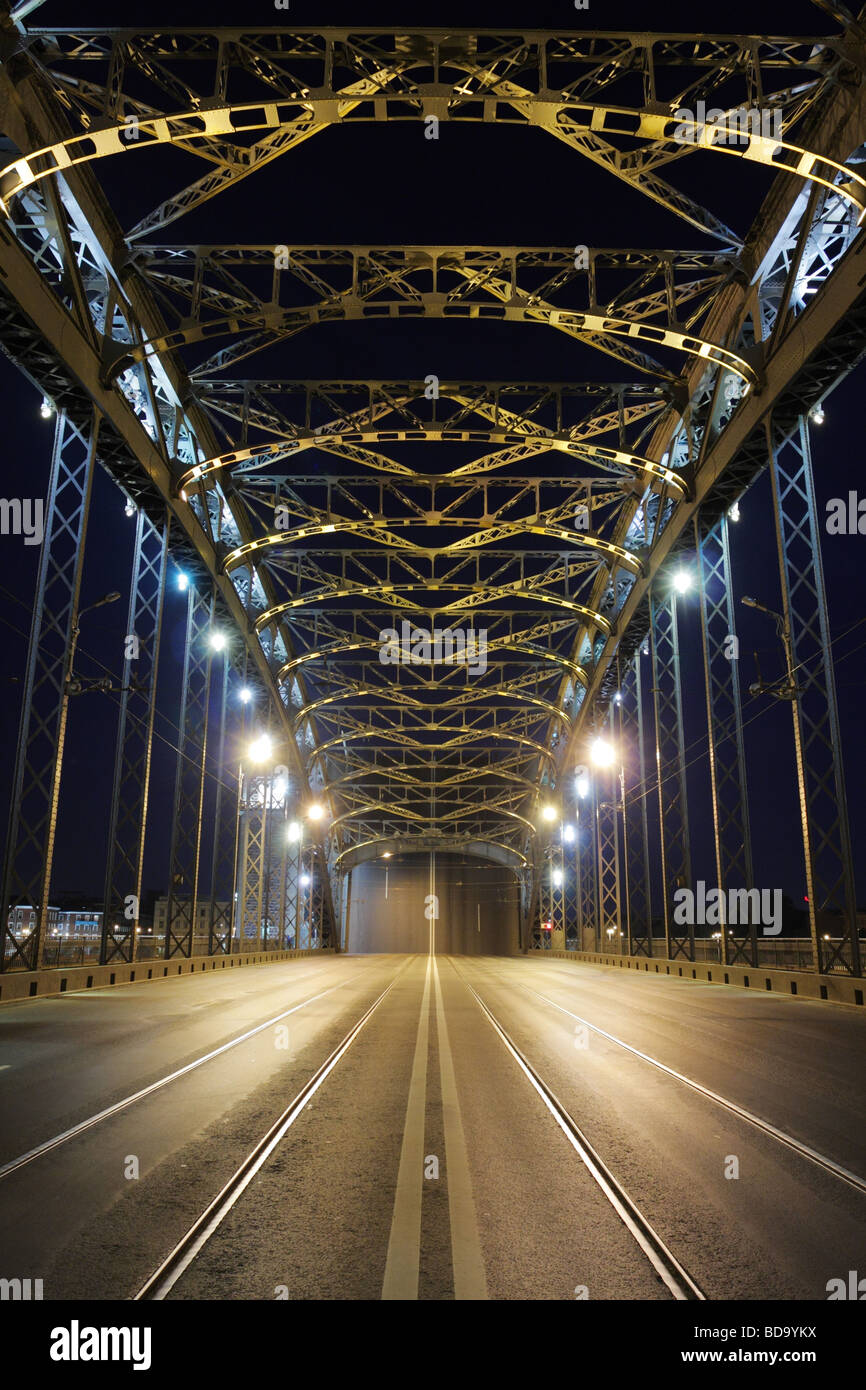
[[786, 689], [71, 685]]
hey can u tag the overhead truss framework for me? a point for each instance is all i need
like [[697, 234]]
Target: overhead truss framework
[[435, 578]]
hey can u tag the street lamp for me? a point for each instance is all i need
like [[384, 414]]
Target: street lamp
[[73, 686], [260, 749], [786, 689], [602, 753]]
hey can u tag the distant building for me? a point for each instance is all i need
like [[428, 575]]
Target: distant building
[[62, 921], [201, 926]]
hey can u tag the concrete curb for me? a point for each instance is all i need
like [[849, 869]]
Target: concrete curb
[[803, 984], [31, 984]]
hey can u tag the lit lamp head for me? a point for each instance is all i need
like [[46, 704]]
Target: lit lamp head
[[218, 641], [316, 811], [548, 813], [682, 581], [602, 753], [260, 749]]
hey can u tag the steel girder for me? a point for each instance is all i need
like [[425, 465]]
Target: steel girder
[[608, 811], [145, 432], [47, 690], [817, 739], [226, 815], [779, 313], [606, 86], [727, 756], [551, 898], [670, 769], [253, 869], [586, 832], [637, 888], [129, 802], [655, 300], [185, 856]]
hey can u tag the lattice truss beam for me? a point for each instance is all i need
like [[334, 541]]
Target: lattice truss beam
[[560, 502], [213, 94]]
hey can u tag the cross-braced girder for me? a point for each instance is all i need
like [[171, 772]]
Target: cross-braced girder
[[540, 515]]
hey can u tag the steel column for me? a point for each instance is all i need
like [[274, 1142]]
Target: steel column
[[226, 813], [42, 731], [587, 866], [817, 740], [728, 786], [607, 825], [185, 859], [129, 801], [638, 893], [670, 768]]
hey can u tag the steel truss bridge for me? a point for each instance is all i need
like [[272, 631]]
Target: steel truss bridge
[[311, 516]]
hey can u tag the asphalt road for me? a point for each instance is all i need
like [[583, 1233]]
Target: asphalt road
[[426, 1165]]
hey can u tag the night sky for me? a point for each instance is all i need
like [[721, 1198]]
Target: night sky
[[475, 185]]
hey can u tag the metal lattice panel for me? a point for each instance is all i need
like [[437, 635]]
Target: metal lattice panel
[[608, 811], [635, 793], [670, 769], [129, 804], [817, 740], [185, 857], [728, 786], [225, 833], [48, 687]]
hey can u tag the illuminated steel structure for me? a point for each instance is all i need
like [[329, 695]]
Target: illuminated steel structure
[[305, 520]]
